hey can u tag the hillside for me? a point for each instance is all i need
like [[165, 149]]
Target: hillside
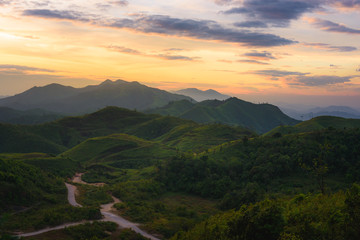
[[318, 123], [55, 137], [77, 101], [34, 116], [200, 95], [258, 117]]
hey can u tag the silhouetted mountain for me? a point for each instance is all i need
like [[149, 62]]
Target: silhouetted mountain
[[233, 111], [34, 116], [199, 95], [69, 100]]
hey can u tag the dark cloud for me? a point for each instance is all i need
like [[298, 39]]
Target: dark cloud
[[277, 12], [58, 14], [162, 55], [331, 48], [333, 27], [251, 24], [252, 62], [165, 25], [314, 81], [264, 55], [19, 68], [199, 29]]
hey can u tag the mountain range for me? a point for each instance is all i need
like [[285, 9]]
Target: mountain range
[[200, 95], [76, 101], [34, 116], [233, 111]]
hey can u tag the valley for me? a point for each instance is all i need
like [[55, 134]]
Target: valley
[[178, 178]]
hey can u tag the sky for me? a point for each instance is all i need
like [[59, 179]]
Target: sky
[[277, 51]]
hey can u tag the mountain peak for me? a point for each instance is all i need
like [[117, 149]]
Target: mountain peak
[[200, 95]]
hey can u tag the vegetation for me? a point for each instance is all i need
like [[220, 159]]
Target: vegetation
[[307, 216], [258, 117]]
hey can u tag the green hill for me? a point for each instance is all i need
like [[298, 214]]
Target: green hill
[[34, 116], [120, 151], [258, 117], [318, 123], [58, 136]]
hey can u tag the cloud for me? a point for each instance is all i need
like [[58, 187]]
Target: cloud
[[124, 50], [354, 4], [358, 70], [169, 26], [4, 2], [252, 62], [58, 14], [21, 69], [264, 55], [331, 48], [165, 56], [225, 2], [332, 26], [323, 80], [251, 24], [278, 12], [122, 3], [199, 29], [275, 74]]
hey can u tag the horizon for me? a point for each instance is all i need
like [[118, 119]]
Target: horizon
[[284, 51], [299, 103]]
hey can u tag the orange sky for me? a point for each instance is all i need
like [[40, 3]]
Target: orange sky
[[250, 47]]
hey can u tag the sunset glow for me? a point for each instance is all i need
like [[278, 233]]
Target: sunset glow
[[256, 49]]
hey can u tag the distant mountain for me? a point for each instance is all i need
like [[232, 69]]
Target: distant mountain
[[318, 123], [200, 95], [69, 100], [34, 116], [258, 117], [336, 111]]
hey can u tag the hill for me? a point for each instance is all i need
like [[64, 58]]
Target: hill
[[34, 116], [258, 117], [318, 123], [200, 95], [58, 136], [77, 101]]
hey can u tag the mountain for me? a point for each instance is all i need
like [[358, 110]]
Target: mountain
[[318, 123], [258, 117], [34, 116], [200, 95], [336, 111], [69, 101]]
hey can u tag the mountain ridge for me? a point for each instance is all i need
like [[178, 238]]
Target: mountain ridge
[[69, 100]]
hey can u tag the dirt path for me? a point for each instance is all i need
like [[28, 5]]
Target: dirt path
[[106, 210]]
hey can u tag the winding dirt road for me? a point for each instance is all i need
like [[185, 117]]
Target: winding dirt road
[[106, 210]]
